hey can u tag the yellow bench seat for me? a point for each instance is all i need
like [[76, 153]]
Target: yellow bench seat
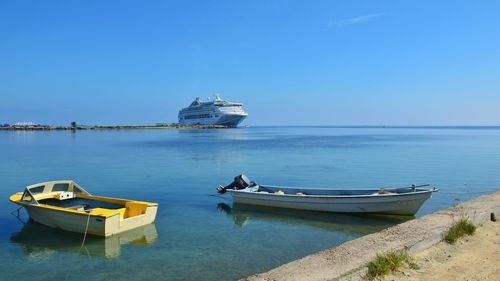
[[108, 212]]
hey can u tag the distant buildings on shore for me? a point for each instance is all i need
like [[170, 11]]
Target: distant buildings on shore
[[21, 125], [25, 126]]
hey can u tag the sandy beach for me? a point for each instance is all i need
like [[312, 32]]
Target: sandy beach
[[471, 258]]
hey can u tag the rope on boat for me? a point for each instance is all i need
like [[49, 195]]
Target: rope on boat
[[85, 233]]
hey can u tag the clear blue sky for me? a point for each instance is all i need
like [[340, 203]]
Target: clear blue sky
[[290, 62]]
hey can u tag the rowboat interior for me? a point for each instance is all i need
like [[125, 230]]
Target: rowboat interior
[[280, 190]]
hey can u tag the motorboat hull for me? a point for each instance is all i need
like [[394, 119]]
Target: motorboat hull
[[398, 204]]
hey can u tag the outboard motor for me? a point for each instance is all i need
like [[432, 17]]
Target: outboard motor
[[240, 182]]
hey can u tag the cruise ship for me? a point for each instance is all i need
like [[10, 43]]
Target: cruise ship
[[213, 112]]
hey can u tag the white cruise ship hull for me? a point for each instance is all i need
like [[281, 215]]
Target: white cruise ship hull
[[228, 120]]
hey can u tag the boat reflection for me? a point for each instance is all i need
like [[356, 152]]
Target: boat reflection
[[38, 240], [348, 223]]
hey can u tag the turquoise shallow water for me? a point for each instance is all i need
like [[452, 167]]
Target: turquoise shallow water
[[199, 236]]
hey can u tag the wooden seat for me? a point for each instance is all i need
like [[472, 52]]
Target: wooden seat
[[76, 207]]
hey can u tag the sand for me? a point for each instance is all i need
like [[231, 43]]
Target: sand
[[475, 257]]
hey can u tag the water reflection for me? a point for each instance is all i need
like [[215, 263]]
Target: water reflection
[[354, 224], [227, 134], [38, 240]]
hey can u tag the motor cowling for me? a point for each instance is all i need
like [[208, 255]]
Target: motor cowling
[[240, 182]]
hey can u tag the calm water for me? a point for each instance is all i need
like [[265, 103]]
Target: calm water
[[199, 236]]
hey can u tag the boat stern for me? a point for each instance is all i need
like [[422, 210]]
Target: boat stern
[[136, 214]]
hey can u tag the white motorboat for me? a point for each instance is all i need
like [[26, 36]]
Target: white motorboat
[[394, 201]]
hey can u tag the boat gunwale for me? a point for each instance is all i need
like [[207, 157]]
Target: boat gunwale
[[85, 213], [242, 191], [61, 209]]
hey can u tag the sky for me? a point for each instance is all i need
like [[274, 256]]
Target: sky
[[335, 62]]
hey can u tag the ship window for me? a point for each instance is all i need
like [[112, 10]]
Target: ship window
[[196, 116], [77, 190], [38, 189], [60, 187]]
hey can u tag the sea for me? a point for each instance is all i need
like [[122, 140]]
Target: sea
[[199, 234]]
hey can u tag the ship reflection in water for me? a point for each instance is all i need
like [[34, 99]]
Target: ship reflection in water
[[38, 240], [354, 224]]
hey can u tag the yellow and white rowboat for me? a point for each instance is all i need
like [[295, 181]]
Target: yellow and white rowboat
[[66, 205]]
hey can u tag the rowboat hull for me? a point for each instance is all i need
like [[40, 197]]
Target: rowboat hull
[[399, 204], [97, 225]]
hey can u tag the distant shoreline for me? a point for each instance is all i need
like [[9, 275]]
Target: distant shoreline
[[178, 126], [128, 127]]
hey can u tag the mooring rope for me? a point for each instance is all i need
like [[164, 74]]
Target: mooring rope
[[81, 247], [85, 233]]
